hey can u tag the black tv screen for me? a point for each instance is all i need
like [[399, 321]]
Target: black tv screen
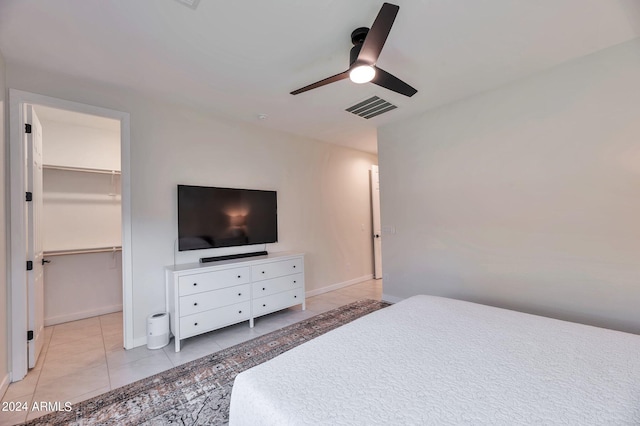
[[211, 217]]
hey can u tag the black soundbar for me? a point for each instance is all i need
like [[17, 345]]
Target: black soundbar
[[232, 256]]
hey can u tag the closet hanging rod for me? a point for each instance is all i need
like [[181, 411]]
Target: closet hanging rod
[[81, 169], [111, 249]]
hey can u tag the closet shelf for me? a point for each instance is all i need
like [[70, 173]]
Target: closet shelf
[[81, 169], [111, 249]]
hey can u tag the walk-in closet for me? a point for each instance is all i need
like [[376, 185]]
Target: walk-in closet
[[82, 223]]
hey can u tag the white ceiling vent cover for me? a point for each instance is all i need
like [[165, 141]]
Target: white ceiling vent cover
[[371, 107]]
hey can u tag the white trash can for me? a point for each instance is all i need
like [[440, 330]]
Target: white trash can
[[158, 330]]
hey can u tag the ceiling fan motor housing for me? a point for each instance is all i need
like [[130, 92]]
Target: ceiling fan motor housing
[[357, 38]]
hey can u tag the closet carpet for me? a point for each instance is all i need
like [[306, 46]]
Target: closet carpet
[[199, 392]]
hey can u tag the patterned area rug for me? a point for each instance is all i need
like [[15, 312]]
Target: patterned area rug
[[199, 392]]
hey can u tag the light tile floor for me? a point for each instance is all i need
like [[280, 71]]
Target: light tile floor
[[85, 358]]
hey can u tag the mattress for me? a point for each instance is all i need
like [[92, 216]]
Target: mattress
[[436, 361]]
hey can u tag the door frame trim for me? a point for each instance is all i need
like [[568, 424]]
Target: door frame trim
[[17, 270], [376, 225]]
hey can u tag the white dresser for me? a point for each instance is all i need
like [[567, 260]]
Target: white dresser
[[204, 297]]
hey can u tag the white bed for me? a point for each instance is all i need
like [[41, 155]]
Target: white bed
[[436, 361]]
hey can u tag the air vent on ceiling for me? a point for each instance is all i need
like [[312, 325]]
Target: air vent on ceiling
[[371, 107]]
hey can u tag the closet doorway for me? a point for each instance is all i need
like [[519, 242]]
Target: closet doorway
[[84, 226], [81, 215], [375, 222]]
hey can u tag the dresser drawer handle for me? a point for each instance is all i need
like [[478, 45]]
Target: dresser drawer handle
[[294, 281], [195, 323], [263, 288], [295, 297], [263, 272], [239, 312], [264, 304], [239, 294], [195, 304], [195, 284], [294, 266], [239, 276]]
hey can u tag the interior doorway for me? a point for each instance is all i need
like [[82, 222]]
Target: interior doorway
[[71, 176], [81, 215], [375, 221]]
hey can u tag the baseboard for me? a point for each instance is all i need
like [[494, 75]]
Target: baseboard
[[337, 286], [391, 299], [82, 315], [139, 341], [4, 385]]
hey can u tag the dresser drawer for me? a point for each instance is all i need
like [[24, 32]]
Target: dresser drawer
[[276, 285], [203, 298], [215, 318], [267, 271], [207, 281], [282, 300], [199, 302]]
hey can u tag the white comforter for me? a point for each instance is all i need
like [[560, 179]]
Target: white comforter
[[436, 361]]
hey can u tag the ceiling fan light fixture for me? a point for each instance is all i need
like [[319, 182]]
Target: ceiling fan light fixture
[[363, 57], [362, 74]]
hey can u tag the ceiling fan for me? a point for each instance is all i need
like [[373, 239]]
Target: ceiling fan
[[367, 45]]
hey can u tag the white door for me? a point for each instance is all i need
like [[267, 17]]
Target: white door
[[35, 276], [377, 231]]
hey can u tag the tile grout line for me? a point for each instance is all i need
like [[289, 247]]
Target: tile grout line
[[104, 347], [44, 360], [74, 342]]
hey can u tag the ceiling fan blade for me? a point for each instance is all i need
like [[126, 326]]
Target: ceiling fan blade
[[391, 82], [377, 35], [332, 79]]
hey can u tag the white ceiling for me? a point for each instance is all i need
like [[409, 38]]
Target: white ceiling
[[239, 59]]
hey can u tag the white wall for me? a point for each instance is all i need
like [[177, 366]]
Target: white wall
[[323, 189], [4, 339], [526, 197], [81, 210], [67, 144], [81, 286]]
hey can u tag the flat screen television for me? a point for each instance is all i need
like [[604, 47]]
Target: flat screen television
[[210, 217]]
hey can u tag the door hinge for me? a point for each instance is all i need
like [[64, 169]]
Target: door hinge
[[29, 335], [29, 265], [27, 128], [29, 196]]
